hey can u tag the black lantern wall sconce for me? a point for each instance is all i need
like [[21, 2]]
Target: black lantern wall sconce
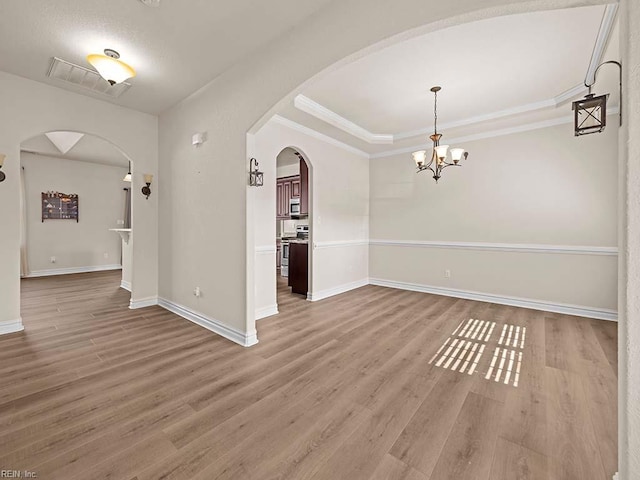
[[146, 190], [256, 177], [2, 175], [590, 113]]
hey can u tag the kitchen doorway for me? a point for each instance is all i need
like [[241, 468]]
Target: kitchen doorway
[[293, 228]]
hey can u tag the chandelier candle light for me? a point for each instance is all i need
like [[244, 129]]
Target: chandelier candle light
[[439, 160]]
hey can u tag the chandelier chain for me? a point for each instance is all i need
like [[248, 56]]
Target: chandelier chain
[[435, 113]]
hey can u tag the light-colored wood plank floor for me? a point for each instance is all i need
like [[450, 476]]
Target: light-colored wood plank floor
[[337, 389]]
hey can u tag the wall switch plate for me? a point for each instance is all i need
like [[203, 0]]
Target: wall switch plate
[[106, 255], [120, 222], [197, 292], [53, 259], [447, 273]]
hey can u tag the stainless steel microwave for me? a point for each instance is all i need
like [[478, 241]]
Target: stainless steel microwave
[[294, 207]]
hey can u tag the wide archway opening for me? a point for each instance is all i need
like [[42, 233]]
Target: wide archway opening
[[76, 209]]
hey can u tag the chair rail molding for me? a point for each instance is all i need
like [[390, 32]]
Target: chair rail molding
[[500, 247], [340, 243]]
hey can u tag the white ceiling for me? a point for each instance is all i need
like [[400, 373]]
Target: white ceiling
[[287, 157], [484, 67], [88, 149], [175, 48]]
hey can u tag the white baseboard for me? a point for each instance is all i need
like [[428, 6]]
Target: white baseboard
[[143, 302], [125, 285], [68, 271], [330, 292], [578, 310], [230, 333], [265, 312], [11, 326]]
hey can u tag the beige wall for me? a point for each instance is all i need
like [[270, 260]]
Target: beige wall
[[288, 170], [207, 187], [30, 108], [80, 244], [543, 190], [629, 227], [339, 224]]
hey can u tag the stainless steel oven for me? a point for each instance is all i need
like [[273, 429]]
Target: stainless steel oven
[[294, 207], [284, 261]]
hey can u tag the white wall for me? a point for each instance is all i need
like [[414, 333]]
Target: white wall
[[339, 223], [207, 187], [287, 171], [76, 245], [542, 187], [629, 228], [29, 108]]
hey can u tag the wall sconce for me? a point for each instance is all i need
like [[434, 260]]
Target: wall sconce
[[2, 175], [590, 112], [256, 177], [146, 190]]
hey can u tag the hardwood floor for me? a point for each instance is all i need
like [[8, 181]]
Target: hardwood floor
[[352, 387]]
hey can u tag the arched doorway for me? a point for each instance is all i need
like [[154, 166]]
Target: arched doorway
[[288, 185], [76, 207]]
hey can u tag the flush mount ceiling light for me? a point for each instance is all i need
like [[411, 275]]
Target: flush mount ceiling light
[[110, 67], [439, 159], [151, 3]]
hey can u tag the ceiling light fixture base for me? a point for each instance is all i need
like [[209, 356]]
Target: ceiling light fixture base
[[111, 53]]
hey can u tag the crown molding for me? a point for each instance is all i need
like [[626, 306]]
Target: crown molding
[[320, 136], [568, 95], [317, 110], [479, 136], [558, 100], [321, 112], [489, 134], [604, 33]]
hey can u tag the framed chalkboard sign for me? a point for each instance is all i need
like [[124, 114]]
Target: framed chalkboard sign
[[59, 206]]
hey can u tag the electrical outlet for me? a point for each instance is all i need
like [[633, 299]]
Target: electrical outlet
[[447, 273], [105, 255], [197, 292], [53, 259], [119, 222]]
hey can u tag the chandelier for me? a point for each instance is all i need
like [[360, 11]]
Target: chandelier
[[439, 160]]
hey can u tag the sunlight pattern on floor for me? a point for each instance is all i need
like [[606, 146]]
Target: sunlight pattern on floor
[[463, 350]]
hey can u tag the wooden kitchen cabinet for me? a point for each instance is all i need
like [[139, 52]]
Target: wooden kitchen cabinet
[[286, 189], [295, 187], [304, 188], [299, 267]]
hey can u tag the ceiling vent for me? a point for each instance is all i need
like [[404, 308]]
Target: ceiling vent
[[85, 78]]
